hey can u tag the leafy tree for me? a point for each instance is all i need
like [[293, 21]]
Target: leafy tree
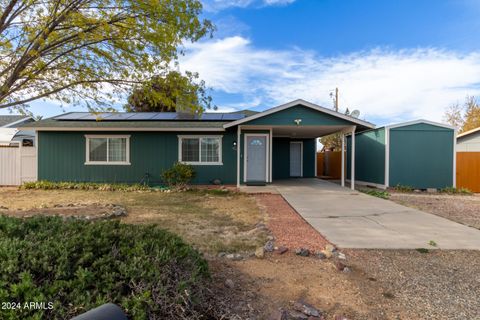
[[333, 142], [465, 117], [89, 50], [167, 92]]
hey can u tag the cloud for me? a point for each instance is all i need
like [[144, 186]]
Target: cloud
[[385, 85], [217, 5]]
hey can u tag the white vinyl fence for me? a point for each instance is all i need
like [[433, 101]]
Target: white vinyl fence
[[17, 164]]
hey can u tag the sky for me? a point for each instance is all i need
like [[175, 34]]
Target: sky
[[395, 60]]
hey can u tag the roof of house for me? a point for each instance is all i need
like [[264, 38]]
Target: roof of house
[[469, 132], [7, 120]]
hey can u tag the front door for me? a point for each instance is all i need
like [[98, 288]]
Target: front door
[[256, 158], [296, 159]]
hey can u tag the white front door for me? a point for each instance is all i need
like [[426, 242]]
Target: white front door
[[256, 158], [296, 155]]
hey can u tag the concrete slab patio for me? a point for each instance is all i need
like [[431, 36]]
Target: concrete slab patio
[[351, 219]]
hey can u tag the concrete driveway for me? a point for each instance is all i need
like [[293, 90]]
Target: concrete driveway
[[351, 219]]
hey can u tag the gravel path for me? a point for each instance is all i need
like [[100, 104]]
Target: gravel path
[[459, 208], [288, 227], [435, 285]]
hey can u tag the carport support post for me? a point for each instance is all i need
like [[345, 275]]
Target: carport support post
[[239, 131], [352, 170], [343, 159]]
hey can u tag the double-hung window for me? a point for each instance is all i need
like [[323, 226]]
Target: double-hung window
[[200, 150], [107, 150]]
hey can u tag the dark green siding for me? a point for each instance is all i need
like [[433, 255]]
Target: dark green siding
[[309, 117], [421, 156], [369, 156], [61, 157], [281, 158]]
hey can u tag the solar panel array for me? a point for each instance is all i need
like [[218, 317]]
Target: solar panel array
[[148, 116]]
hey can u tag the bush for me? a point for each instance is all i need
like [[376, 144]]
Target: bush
[[401, 188], [49, 185], [178, 176], [452, 190], [376, 193], [79, 265]]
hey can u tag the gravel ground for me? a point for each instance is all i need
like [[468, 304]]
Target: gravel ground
[[459, 208], [436, 285], [288, 227]]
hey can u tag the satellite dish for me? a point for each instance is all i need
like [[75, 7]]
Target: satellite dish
[[355, 113]]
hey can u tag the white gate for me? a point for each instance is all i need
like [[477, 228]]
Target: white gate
[[17, 164]]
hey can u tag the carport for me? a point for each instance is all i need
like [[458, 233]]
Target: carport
[[280, 143]]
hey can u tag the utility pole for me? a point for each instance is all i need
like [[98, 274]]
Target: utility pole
[[336, 99]]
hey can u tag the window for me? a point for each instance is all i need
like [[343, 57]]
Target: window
[[107, 149], [200, 150]]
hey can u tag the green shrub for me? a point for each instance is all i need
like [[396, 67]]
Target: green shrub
[[452, 190], [49, 185], [402, 188], [178, 176], [79, 265], [376, 193]]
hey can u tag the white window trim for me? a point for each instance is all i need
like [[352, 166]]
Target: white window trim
[[200, 137], [106, 163]]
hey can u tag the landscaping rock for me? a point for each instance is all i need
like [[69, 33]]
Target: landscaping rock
[[341, 256], [327, 254], [295, 315], [229, 283], [339, 266], [330, 248], [346, 270], [302, 252], [279, 315], [307, 309], [260, 253], [340, 317], [320, 255], [234, 256], [270, 238], [222, 254], [282, 250], [269, 247]]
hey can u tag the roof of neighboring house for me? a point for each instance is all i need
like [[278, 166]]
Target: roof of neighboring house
[[469, 132], [7, 120]]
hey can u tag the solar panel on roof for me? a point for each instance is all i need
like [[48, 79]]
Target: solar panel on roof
[[165, 116], [233, 116], [211, 116], [94, 116], [119, 116], [71, 116], [143, 116]]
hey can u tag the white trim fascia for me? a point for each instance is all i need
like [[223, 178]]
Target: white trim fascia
[[386, 177], [466, 133], [199, 137], [11, 124], [301, 158], [124, 129], [305, 104], [106, 163], [408, 123], [239, 150], [270, 148], [454, 159], [245, 154], [373, 184]]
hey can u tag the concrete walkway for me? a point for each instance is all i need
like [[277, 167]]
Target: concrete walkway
[[351, 219]]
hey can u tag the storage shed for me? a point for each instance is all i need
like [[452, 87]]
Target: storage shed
[[468, 160], [418, 154]]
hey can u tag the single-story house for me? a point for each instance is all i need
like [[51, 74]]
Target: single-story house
[[236, 148], [468, 160], [419, 154]]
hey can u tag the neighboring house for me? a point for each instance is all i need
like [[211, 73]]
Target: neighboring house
[[236, 148], [468, 160], [418, 154], [9, 129]]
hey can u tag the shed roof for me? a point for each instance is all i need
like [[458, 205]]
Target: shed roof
[[6, 120]]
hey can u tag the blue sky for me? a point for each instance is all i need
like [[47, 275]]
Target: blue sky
[[393, 60]]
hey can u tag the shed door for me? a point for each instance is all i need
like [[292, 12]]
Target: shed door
[[296, 159]]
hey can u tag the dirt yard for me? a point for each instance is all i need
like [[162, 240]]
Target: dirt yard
[[463, 209], [379, 284]]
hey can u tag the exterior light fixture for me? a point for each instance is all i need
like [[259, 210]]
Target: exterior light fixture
[[298, 121], [234, 145]]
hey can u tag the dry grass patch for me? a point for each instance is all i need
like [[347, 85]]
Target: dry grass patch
[[212, 221]]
